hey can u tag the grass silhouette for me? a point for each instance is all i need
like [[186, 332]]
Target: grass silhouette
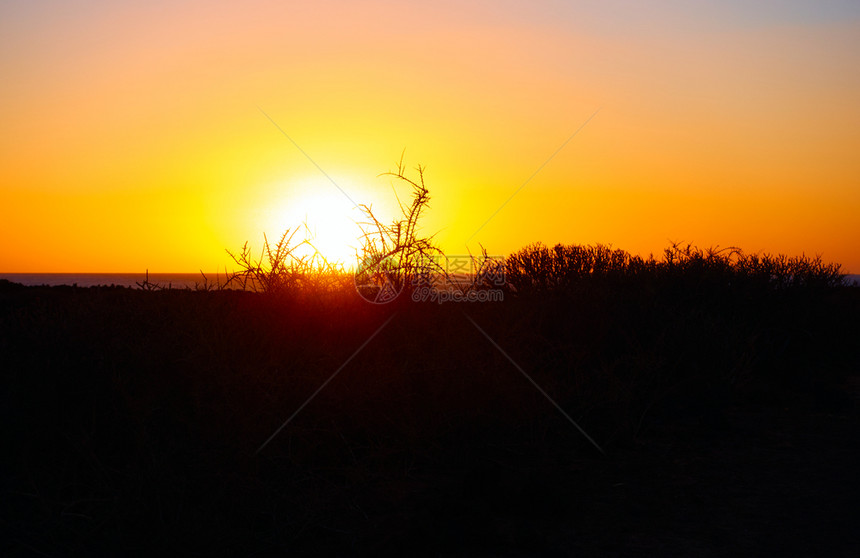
[[394, 256], [281, 269]]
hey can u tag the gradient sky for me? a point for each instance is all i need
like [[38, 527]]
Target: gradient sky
[[134, 135]]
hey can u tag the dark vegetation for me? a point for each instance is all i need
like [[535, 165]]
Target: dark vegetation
[[131, 421], [722, 388]]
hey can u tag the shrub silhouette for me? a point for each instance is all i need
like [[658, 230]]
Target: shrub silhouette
[[396, 256], [539, 268]]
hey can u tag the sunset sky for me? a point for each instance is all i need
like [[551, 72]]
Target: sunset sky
[[140, 135]]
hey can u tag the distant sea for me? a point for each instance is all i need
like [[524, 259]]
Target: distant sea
[[171, 280]]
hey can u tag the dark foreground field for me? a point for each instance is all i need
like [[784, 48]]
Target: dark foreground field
[[728, 417]]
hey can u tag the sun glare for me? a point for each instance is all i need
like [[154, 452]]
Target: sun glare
[[327, 219]]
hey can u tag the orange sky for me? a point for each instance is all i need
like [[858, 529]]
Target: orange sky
[[134, 137]]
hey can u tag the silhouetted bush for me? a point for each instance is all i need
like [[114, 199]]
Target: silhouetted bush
[[396, 256], [537, 268]]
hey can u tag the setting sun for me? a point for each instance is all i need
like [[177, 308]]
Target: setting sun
[[325, 217]]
